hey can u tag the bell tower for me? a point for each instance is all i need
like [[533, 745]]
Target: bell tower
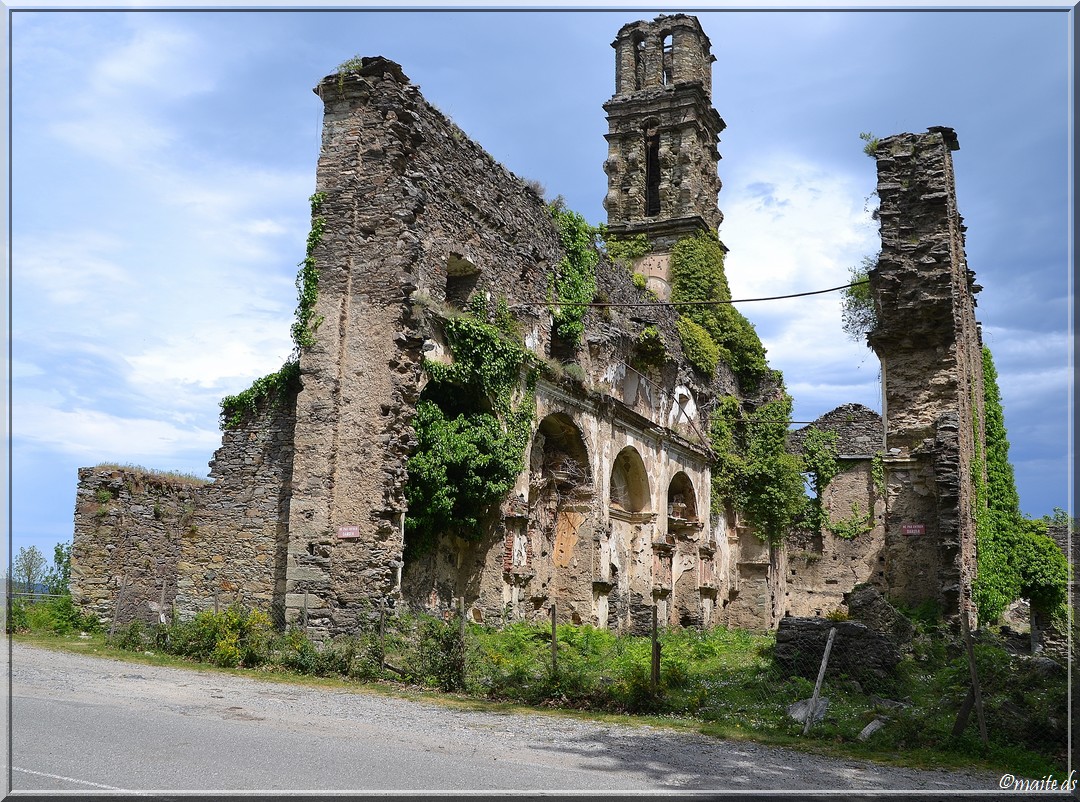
[[662, 132]]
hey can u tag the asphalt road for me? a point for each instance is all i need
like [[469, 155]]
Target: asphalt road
[[91, 724]]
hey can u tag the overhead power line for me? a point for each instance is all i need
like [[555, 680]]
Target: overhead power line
[[713, 303]]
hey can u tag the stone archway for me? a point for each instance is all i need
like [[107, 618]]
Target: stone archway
[[559, 509], [629, 482]]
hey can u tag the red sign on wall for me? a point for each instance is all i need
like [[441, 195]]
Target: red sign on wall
[[913, 529], [348, 532]]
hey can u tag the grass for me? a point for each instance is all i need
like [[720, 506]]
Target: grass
[[143, 473], [720, 683]]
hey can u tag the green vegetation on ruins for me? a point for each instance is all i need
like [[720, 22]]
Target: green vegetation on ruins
[[573, 281], [697, 274], [820, 460], [285, 382], [1016, 558], [471, 433], [754, 473], [857, 311]]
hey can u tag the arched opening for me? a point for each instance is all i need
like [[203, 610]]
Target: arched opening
[[629, 482], [667, 72], [639, 60], [681, 498], [461, 279], [652, 171], [559, 457]]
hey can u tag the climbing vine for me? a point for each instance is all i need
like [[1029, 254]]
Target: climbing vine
[[754, 472], [307, 281], [858, 523], [819, 456], [1015, 559], [649, 350], [573, 281], [280, 384], [275, 387], [471, 435], [877, 473], [623, 250], [697, 274], [698, 347]]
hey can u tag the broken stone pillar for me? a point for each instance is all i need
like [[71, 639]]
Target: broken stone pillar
[[929, 345]]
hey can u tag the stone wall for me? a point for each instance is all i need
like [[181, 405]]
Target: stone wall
[[820, 567], [130, 529], [206, 544], [236, 549], [931, 364]]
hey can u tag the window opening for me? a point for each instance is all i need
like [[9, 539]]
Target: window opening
[[652, 173], [461, 279], [667, 74], [639, 61]]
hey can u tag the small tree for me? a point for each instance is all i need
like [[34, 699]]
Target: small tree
[[28, 568], [58, 577], [857, 304]]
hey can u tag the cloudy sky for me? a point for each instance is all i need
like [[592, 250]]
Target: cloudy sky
[[162, 163]]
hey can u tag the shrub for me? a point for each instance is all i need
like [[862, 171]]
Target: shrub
[[698, 347]]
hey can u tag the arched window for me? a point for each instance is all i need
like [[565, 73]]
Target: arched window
[[629, 482], [639, 61], [652, 172], [681, 498], [667, 72]]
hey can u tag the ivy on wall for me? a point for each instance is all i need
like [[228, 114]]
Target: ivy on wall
[[623, 250], [277, 386], [307, 281], [819, 457], [754, 473], [471, 433], [1015, 557], [697, 274], [573, 281]]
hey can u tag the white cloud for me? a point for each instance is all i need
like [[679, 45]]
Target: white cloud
[[793, 226], [96, 436], [71, 268]]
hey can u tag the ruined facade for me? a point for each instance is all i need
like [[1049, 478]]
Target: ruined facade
[[930, 347], [611, 515]]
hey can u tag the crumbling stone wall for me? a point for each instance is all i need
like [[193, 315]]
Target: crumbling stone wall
[[207, 544], [819, 567], [129, 531], [929, 344], [610, 516], [235, 550]]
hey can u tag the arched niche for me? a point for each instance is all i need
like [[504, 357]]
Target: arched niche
[[559, 455], [629, 482], [681, 498]]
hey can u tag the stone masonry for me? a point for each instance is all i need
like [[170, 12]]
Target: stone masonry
[[611, 516], [929, 344]]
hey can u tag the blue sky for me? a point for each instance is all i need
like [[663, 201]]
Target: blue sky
[[162, 163]]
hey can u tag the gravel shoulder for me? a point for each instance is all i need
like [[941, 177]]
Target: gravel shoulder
[[528, 749]]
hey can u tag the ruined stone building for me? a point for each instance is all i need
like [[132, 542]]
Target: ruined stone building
[[612, 512]]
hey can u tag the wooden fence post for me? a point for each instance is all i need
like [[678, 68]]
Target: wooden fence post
[[655, 676], [554, 643], [976, 691], [817, 685]]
